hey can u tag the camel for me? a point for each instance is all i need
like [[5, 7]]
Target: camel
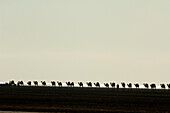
[[80, 84], [20, 83], [89, 84], [68, 84], [29, 83], [153, 86], [123, 84], [97, 84], [146, 85], [162, 86], [53, 83], [59, 84], [112, 84], [106, 84], [35, 83], [136, 85], [168, 86], [43, 83], [71, 84], [12, 83], [129, 85]]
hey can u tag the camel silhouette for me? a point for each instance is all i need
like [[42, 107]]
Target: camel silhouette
[[146, 85], [123, 84], [162, 86], [53, 83], [97, 84], [29, 83], [153, 86], [129, 85], [168, 86], [59, 84], [12, 83], [43, 83], [106, 84], [20, 83], [80, 84], [89, 84], [70, 84], [112, 84], [136, 85], [35, 83]]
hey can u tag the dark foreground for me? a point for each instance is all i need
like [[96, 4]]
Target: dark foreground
[[65, 99]]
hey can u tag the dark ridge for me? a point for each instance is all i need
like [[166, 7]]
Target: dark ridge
[[78, 99]]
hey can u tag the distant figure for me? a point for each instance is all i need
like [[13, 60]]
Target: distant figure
[[29, 83], [168, 86], [129, 85], [106, 84], [153, 86], [162, 86], [72, 84], [20, 83], [146, 85], [112, 84], [97, 84], [53, 83], [80, 84], [89, 84], [117, 86], [123, 84], [12, 83], [68, 84], [136, 85], [59, 84], [35, 83], [43, 83]]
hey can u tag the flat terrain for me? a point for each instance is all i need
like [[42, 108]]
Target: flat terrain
[[76, 99]]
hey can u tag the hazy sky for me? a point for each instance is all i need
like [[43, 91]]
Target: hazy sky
[[85, 40]]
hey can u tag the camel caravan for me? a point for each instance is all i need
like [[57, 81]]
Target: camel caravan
[[87, 84]]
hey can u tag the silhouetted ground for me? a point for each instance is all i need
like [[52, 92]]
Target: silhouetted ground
[[66, 99]]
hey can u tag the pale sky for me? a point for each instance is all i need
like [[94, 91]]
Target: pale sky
[[85, 40]]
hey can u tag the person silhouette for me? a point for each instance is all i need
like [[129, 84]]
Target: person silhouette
[[117, 86]]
